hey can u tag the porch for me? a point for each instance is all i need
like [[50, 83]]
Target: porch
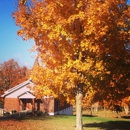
[[26, 101]]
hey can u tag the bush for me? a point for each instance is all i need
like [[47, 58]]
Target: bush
[[1, 104], [6, 113], [46, 114], [14, 111], [39, 113]]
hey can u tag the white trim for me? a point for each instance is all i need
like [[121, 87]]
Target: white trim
[[16, 87], [47, 96], [26, 95], [51, 113]]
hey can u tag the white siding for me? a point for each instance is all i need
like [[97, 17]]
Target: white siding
[[19, 91], [66, 111], [26, 96]]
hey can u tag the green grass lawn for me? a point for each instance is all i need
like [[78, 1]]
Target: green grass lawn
[[64, 123]]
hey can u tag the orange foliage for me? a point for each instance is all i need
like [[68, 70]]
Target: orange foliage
[[15, 124], [79, 43], [11, 74]]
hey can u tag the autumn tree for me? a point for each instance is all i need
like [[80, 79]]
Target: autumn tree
[[125, 104], [117, 83], [11, 74], [75, 40]]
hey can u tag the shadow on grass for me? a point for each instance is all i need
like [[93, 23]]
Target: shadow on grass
[[110, 125], [126, 117], [87, 115], [32, 117]]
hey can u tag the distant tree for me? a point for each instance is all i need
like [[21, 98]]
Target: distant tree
[[76, 40], [11, 74]]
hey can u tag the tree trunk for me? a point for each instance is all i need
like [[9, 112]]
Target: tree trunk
[[91, 111], [126, 108], [79, 97], [118, 114]]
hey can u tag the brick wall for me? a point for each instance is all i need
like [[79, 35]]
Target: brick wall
[[47, 105], [11, 104]]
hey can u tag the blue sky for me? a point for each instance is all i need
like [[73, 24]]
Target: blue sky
[[11, 45]]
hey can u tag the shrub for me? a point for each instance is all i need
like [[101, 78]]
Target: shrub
[[1, 104], [14, 111], [39, 113], [6, 113], [46, 114]]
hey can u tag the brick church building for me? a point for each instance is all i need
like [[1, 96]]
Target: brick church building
[[21, 98]]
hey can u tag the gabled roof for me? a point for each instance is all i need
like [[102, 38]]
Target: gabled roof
[[9, 91], [26, 95]]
